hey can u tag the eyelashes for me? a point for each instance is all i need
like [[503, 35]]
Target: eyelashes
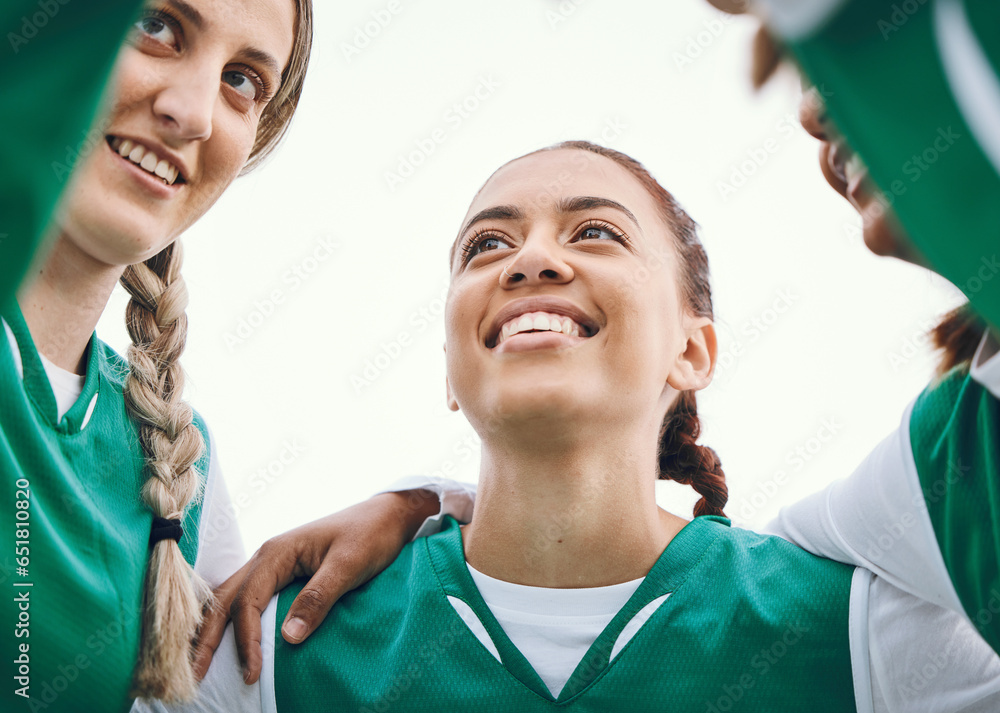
[[471, 246], [476, 240]]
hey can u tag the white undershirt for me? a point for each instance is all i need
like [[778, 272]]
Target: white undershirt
[[66, 385], [553, 628]]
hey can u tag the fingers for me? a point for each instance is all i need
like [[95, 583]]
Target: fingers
[[265, 575], [213, 624], [316, 599]]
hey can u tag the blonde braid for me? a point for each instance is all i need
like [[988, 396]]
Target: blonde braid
[[174, 595]]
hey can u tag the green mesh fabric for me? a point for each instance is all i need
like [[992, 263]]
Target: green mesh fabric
[[752, 624], [87, 530], [955, 437], [56, 56]]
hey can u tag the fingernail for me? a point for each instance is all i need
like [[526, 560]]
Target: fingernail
[[246, 674], [295, 628]]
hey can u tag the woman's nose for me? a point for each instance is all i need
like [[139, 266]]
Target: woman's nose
[[537, 262], [185, 106]]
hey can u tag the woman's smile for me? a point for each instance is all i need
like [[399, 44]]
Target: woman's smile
[[157, 177], [541, 322]]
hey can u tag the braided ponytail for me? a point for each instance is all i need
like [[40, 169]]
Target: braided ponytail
[[174, 595], [683, 460], [957, 336]]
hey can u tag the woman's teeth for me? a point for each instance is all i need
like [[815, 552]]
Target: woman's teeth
[[146, 159], [539, 322]]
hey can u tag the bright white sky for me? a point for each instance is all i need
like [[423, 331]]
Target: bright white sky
[[359, 265]]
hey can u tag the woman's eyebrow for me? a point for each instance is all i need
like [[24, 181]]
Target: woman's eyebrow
[[578, 204], [193, 16], [497, 212], [256, 55], [251, 53]]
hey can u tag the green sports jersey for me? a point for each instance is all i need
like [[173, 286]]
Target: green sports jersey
[[73, 535], [914, 86], [955, 438], [56, 56], [750, 623]]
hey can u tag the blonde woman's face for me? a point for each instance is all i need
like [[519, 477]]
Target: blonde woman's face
[[564, 295], [187, 94]]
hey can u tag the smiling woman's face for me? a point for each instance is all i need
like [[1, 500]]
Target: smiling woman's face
[[564, 296], [188, 92]]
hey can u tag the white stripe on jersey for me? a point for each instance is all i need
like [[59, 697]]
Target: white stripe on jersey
[[973, 82]]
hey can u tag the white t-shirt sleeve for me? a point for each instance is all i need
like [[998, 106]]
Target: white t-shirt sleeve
[[220, 547], [457, 499], [986, 364], [877, 518], [923, 658], [223, 690]]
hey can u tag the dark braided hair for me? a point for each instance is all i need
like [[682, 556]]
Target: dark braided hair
[[680, 456]]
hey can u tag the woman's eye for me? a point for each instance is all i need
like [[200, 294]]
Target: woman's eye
[[241, 83], [483, 244], [487, 244], [158, 29], [597, 233]]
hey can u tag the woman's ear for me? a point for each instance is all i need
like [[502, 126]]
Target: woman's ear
[[696, 363], [452, 403]]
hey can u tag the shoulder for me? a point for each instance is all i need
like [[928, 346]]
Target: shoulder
[[774, 572]]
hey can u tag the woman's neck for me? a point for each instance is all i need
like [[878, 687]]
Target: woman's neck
[[63, 301], [580, 513]]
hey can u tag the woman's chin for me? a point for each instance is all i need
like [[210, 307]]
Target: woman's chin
[[883, 234], [538, 403]]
